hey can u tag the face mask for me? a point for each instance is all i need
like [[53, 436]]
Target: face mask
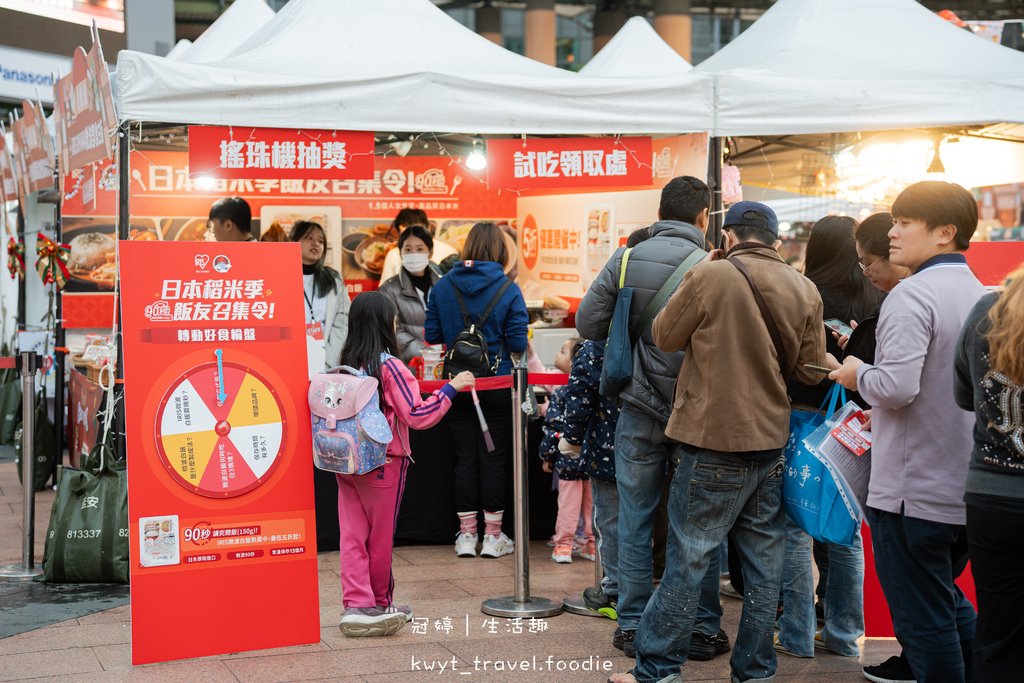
[[415, 263]]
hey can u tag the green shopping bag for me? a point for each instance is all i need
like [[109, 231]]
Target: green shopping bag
[[44, 445], [87, 541], [10, 401]]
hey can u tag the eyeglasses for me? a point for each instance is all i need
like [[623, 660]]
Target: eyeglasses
[[865, 267]]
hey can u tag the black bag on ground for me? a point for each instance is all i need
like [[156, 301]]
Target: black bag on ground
[[44, 445], [469, 350], [87, 541], [10, 401]]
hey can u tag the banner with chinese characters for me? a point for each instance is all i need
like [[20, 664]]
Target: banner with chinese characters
[[565, 239], [33, 150], [83, 111], [221, 519], [85, 398], [170, 202], [568, 163], [8, 183], [249, 153]]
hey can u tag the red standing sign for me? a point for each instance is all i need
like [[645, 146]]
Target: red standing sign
[[221, 520], [566, 163], [232, 152]]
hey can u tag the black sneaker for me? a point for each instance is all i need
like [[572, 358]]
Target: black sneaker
[[704, 647], [892, 670], [597, 601], [623, 640]]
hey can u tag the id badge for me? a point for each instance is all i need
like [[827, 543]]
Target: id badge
[[316, 331], [316, 352]]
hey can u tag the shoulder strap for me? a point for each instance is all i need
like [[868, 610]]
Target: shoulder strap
[[622, 268], [462, 306], [663, 294], [493, 302], [766, 315]]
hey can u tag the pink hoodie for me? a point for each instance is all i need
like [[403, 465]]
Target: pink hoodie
[[405, 408]]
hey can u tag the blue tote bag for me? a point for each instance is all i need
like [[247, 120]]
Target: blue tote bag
[[814, 493], [617, 370]]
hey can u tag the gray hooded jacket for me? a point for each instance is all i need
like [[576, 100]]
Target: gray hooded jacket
[[650, 264]]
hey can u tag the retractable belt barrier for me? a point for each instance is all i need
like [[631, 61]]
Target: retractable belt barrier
[[429, 386]]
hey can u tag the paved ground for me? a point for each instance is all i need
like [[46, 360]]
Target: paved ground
[[95, 647]]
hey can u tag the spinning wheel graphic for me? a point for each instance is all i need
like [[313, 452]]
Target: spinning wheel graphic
[[215, 445]]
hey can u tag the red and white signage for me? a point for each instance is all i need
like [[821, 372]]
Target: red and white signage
[[231, 152], [33, 150], [84, 111], [8, 184], [564, 163]]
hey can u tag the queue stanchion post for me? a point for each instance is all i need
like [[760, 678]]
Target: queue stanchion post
[[28, 363], [521, 603]]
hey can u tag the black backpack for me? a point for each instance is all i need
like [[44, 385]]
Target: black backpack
[[469, 350]]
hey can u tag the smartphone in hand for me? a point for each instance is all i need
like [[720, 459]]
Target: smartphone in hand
[[817, 368], [839, 327]]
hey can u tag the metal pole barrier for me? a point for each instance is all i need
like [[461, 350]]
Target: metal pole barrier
[[60, 339], [28, 363], [123, 229], [521, 604]]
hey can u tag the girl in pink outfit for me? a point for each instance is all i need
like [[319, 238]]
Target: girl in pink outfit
[[368, 504]]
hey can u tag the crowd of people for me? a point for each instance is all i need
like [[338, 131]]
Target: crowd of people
[[724, 342]]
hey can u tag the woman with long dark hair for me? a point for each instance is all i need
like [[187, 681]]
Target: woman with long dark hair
[[477, 283], [326, 299], [989, 381], [368, 503]]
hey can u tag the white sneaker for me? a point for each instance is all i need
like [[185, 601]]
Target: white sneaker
[[465, 545], [496, 546], [562, 554]]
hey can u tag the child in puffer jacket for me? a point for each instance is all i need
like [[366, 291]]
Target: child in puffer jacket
[[574, 498], [588, 421]]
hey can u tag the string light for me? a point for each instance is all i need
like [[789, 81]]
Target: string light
[[477, 159]]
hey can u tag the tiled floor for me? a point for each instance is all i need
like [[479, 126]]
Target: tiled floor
[[432, 579]]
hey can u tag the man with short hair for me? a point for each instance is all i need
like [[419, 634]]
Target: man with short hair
[[231, 220], [731, 413], [921, 439], [642, 450]]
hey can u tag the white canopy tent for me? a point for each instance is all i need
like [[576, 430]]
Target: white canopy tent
[[829, 66], [179, 49], [397, 65], [636, 51], [231, 30]]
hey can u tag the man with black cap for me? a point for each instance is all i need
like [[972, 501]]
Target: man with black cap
[[747, 322]]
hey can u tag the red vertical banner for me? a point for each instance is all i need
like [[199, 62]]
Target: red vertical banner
[[221, 518]]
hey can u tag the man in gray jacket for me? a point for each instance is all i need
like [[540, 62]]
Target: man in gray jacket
[[642, 451]]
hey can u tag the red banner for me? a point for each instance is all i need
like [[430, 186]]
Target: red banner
[[568, 163], [8, 184], [221, 520], [33, 150], [85, 399], [993, 261], [83, 111], [231, 152]]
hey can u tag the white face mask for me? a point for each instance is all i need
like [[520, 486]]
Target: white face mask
[[415, 263]]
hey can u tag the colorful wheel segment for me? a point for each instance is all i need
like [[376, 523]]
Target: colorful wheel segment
[[220, 449]]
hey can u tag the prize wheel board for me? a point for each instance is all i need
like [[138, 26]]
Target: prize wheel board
[[220, 447]]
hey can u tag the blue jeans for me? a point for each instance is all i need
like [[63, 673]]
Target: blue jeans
[[606, 528], [642, 453], [713, 493], [917, 561], [798, 623], [844, 596]]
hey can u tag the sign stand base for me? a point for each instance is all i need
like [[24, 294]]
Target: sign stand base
[[508, 607]]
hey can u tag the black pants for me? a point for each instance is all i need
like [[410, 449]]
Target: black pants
[[480, 475], [917, 561], [996, 543]]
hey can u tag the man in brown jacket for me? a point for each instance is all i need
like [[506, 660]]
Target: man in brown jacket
[[731, 413]]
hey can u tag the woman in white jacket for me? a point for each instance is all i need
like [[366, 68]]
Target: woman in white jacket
[[326, 299]]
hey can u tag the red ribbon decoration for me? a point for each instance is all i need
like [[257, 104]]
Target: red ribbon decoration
[[16, 259], [53, 261]]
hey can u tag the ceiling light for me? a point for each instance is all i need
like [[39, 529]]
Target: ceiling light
[[477, 159]]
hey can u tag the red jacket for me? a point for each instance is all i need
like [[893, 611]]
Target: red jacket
[[405, 408]]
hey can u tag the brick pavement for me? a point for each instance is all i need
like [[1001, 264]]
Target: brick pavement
[[432, 579]]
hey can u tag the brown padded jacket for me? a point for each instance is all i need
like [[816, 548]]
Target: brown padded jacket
[[731, 395]]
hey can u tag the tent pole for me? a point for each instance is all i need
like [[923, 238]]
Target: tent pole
[[714, 234], [60, 339], [123, 223], [23, 284]]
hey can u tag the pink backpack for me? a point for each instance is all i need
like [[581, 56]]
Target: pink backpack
[[350, 433]]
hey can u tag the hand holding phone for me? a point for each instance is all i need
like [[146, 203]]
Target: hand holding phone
[[839, 327], [817, 368]]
